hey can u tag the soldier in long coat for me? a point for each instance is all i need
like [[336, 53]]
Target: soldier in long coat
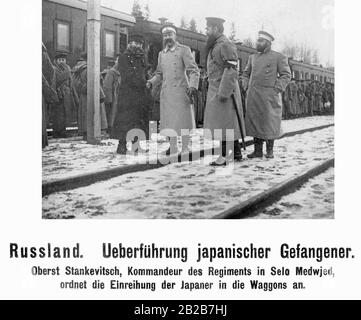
[[302, 97], [174, 63], [224, 109], [295, 105], [202, 95], [134, 100], [111, 83], [49, 95], [286, 103], [80, 84], [64, 110], [310, 97], [266, 76]]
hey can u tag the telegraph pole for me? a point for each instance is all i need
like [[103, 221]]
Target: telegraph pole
[[93, 72]]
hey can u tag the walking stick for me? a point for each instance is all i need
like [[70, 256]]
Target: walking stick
[[192, 113], [239, 121]]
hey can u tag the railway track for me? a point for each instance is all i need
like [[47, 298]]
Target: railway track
[[87, 179], [259, 202], [197, 191]]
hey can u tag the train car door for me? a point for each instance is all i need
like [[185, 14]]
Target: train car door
[[123, 38]]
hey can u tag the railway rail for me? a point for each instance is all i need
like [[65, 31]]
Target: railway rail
[[299, 177], [259, 202], [87, 179]]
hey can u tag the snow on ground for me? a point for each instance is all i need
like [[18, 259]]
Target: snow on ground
[[65, 158], [70, 157], [191, 190], [315, 199]]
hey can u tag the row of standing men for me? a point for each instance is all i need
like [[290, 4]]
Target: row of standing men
[[307, 97], [301, 97], [125, 103]]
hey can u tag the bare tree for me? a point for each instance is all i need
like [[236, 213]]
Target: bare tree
[[330, 65], [146, 12], [183, 23], [298, 52], [315, 57], [137, 9], [249, 43], [291, 51], [193, 25], [233, 33]]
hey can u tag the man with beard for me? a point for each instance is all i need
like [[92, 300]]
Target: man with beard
[[61, 111], [133, 99], [224, 110], [175, 61], [266, 76]]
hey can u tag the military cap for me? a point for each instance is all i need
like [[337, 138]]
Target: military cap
[[168, 27], [265, 35], [61, 54], [213, 21], [139, 38]]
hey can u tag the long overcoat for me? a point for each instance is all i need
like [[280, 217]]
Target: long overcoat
[[65, 110], [223, 82], [174, 68], [111, 83], [266, 76], [134, 100], [80, 84], [48, 92]]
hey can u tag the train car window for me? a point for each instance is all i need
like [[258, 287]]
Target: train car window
[[62, 36], [109, 44], [123, 41]]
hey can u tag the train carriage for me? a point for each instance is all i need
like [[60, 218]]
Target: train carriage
[[64, 29]]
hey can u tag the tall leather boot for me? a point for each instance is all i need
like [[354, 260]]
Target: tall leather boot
[[269, 148], [258, 149], [237, 151], [122, 147]]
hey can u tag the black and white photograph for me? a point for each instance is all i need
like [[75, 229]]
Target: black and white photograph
[[156, 109], [180, 157]]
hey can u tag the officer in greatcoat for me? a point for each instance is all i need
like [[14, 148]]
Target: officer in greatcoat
[[49, 95], [224, 109], [111, 84], [63, 110], [133, 100], [266, 76], [179, 74], [80, 85]]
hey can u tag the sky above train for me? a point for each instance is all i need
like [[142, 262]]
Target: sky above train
[[292, 22]]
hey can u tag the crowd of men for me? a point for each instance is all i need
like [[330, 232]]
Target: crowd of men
[[307, 97], [180, 95]]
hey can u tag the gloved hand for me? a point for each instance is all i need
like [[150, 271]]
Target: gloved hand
[[65, 67], [148, 85], [191, 92]]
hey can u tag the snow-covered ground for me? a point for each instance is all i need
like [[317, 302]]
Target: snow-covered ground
[[193, 190], [315, 199], [70, 157]]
